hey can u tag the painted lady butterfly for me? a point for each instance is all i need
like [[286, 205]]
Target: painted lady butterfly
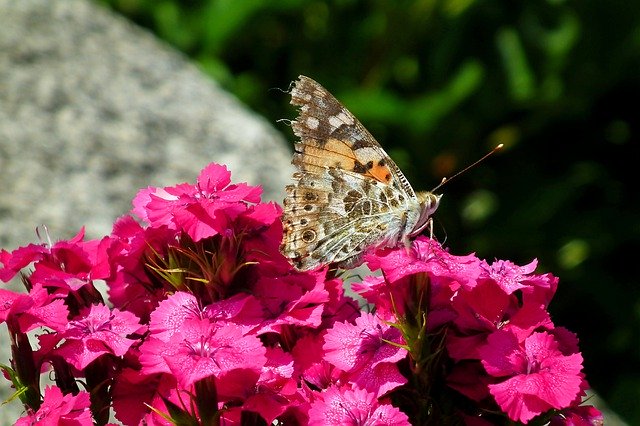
[[348, 196]]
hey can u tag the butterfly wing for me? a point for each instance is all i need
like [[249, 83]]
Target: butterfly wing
[[348, 194], [330, 136], [333, 218]]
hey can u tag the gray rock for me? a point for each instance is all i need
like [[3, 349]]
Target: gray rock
[[93, 108]]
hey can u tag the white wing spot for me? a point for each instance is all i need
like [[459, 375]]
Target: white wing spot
[[312, 123], [345, 118], [335, 121]]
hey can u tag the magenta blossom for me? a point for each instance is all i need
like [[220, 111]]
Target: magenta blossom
[[486, 308], [98, 331], [409, 274], [59, 409], [134, 393], [365, 344], [67, 265], [368, 351], [495, 313], [131, 287], [36, 309], [510, 276], [343, 406], [535, 375], [582, 415], [201, 210], [201, 349]]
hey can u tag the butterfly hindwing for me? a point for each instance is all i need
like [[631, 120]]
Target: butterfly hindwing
[[334, 217]]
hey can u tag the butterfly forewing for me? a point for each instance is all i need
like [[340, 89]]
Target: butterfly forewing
[[331, 136]]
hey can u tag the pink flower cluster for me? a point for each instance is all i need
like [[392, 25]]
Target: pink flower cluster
[[207, 323]]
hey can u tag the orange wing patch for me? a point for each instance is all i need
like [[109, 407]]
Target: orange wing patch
[[331, 153], [369, 163], [380, 171]]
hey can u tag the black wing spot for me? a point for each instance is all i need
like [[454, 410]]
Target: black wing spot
[[367, 207], [358, 167], [308, 236], [310, 196]]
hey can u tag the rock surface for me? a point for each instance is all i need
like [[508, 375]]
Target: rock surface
[[93, 108]]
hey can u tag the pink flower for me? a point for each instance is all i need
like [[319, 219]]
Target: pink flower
[[32, 310], [244, 310], [278, 368], [470, 379], [536, 376], [59, 409], [581, 415], [310, 365], [201, 210], [508, 275], [511, 277], [170, 315], [276, 389], [19, 258], [67, 265], [363, 345], [380, 379], [426, 255], [479, 312], [96, 332], [134, 392], [321, 375], [294, 299], [131, 287], [201, 349], [212, 324], [366, 351], [485, 308], [343, 406], [261, 228], [424, 277]]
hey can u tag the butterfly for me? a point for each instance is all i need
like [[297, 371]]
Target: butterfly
[[348, 196]]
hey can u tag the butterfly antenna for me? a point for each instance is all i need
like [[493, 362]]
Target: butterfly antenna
[[281, 90], [475, 163]]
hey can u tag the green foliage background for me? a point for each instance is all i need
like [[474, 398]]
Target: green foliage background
[[439, 83]]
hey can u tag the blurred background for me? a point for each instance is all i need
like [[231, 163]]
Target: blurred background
[[439, 83]]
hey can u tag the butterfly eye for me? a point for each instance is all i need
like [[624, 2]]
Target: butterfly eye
[[433, 202], [429, 202]]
